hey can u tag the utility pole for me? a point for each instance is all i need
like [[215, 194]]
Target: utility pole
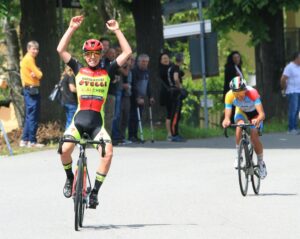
[[202, 54]]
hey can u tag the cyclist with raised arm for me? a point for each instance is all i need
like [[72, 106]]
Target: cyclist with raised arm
[[249, 108], [92, 83]]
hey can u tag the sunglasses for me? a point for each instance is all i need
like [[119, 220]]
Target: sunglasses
[[238, 93], [91, 53]]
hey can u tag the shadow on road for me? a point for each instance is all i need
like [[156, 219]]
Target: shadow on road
[[275, 194], [131, 226]]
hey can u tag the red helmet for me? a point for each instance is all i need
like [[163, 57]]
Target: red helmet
[[92, 45]]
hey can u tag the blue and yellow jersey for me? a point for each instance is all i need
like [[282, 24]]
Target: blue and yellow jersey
[[252, 98]]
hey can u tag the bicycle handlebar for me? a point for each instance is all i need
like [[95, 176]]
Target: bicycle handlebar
[[83, 142], [243, 126]]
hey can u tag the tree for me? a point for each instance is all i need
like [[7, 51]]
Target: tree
[[39, 22], [9, 13], [263, 19], [147, 17]]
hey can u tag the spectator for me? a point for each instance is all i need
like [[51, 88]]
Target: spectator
[[177, 94], [118, 78], [111, 97], [290, 82], [140, 89], [233, 68], [69, 96], [106, 45], [31, 76], [125, 102], [165, 96]]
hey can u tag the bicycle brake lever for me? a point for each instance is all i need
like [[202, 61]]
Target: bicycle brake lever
[[225, 133], [103, 147]]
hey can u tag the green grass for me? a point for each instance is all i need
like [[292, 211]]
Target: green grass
[[186, 131], [160, 134], [18, 150], [275, 125]]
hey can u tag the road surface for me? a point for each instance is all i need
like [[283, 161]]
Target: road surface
[[162, 190]]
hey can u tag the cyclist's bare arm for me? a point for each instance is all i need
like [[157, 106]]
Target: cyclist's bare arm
[[226, 122], [64, 42], [261, 115], [113, 26]]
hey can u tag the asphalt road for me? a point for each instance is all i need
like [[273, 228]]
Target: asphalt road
[[157, 191]]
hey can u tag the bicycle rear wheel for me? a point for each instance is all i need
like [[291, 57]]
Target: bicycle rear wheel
[[243, 167], [78, 197], [255, 179]]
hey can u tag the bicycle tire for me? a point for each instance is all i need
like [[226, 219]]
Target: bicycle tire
[[255, 178], [78, 196], [243, 167], [83, 202]]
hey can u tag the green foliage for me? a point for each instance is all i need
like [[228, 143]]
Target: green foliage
[[94, 24], [247, 16], [9, 9], [4, 94]]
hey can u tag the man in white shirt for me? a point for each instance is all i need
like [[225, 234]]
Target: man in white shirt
[[290, 82]]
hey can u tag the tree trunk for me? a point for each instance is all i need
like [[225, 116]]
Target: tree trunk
[[270, 60], [14, 80], [39, 23], [149, 37]]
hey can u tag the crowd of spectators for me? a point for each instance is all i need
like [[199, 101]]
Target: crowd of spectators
[[129, 94]]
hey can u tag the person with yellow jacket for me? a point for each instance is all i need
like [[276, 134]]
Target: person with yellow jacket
[[30, 77]]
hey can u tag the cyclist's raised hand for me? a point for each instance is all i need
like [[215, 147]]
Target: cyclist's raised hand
[[112, 25], [226, 122], [76, 22]]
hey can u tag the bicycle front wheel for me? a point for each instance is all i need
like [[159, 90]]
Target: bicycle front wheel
[[78, 197], [243, 167], [255, 179]]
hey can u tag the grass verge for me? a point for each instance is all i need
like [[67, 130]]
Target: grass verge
[[160, 134]]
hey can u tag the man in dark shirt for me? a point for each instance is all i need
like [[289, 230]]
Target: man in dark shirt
[[109, 56], [175, 75], [140, 89]]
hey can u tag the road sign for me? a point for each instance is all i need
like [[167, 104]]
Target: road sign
[[211, 55], [185, 29]]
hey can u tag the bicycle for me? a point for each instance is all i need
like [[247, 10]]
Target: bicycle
[[80, 190], [247, 167]]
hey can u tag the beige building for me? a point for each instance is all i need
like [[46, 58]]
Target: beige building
[[292, 40]]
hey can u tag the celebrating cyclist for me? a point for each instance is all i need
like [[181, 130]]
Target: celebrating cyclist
[[92, 83], [249, 108]]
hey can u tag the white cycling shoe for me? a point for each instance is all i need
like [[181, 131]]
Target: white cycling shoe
[[262, 169]]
